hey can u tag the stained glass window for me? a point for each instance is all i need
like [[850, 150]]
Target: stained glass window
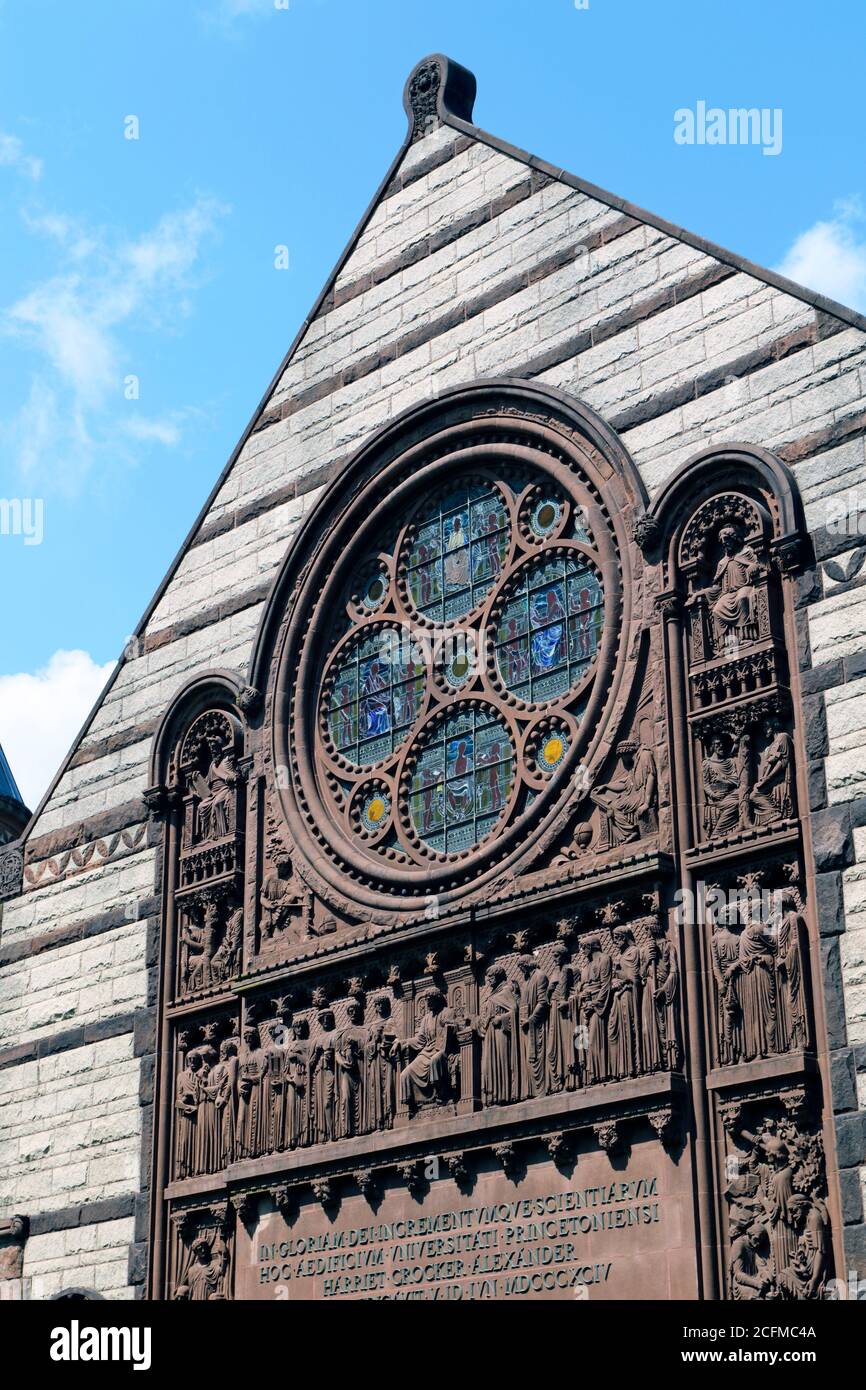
[[458, 551], [462, 780], [549, 629], [377, 693]]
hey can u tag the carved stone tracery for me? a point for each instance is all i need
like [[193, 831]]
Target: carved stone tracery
[[342, 973]]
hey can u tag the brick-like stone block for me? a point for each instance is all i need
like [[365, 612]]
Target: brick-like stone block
[[829, 904], [851, 1140], [843, 1080], [832, 839], [851, 1193]]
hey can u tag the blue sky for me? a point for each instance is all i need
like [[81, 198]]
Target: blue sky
[[261, 125]]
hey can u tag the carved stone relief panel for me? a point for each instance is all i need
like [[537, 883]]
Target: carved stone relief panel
[[427, 871], [779, 1225]]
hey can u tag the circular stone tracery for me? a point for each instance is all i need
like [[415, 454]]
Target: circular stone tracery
[[449, 658], [375, 690], [530, 619], [549, 627], [462, 778]]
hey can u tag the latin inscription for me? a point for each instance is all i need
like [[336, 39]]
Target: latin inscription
[[529, 1246]]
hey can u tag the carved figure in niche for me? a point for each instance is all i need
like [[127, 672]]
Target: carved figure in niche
[[222, 1083], [227, 956], [652, 1041], [732, 596], [771, 1160], [206, 1128], [427, 1078], [298, 1086], [274, 1082], [252, 1119], [499, 1030], [348, 1059], [323, 1079], [623, 1027], [563, 1019], [186, 1103], [793, 1019], [667, 996], [757, 989], [279, 896], [534, 1012], [596, 980], [627, 803], [205, 1278], [723, 780], [381, 1056], [725, 954], [782, 1190], [215, 790], [751, 1269], [772, 797], [198, 945], [806, 1275]]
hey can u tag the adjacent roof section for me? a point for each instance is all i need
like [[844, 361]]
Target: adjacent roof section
[[13, 813], [8, 785]]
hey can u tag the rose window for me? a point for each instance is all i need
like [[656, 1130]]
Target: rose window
[[448, 660]]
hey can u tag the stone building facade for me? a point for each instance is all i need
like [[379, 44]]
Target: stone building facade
[[476, 816]]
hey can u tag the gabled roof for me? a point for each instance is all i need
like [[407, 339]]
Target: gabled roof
[[440, 91]]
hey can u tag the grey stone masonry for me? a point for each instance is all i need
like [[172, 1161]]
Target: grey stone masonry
[[474, 260]]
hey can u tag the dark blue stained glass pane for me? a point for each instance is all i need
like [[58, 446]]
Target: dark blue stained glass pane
[[376, 697], [559, 603], [458, 552], [462, 780]]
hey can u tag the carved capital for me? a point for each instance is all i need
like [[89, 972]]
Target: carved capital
[[646, 533], [608, 1135], [246, 1206], [323, 1191], [663, 1122], [507, 1155], [366, 1181], [668, 606], [249, 699], [559, 1147], [731, 1113], [285, 1199], [410, 1174], [11, 871], [156, 800]]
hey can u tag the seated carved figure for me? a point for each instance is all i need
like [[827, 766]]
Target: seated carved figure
[[426, 1078], [772, 796], [278, 896], [627, 801], [732, 597], [721, 783], [806, 1274], [215, 790]]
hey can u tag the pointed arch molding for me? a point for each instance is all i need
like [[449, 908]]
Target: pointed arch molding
[[212, 689], [530, 434]]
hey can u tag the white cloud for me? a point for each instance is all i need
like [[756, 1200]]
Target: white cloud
[[75, 323], [40, 714], [14, 156], [831, 256], [157, 431]]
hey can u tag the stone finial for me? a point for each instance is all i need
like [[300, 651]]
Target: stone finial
[[437, 87]]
